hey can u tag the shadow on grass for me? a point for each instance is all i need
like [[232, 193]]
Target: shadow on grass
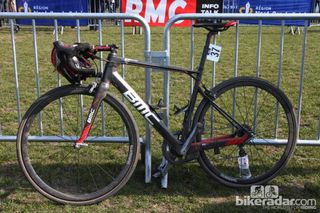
[[188, 180]]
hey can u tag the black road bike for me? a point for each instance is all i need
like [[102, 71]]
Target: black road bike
[[231, 131]]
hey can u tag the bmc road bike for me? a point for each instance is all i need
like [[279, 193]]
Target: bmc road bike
[[230, 131]]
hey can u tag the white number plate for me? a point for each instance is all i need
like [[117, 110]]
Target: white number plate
[[214, 53]]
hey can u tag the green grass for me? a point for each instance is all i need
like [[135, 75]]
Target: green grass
[[190, 189]]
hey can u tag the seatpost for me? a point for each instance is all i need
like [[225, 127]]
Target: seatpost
[[188, 115]]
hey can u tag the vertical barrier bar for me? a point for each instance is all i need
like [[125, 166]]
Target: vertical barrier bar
[[213, 84], [147, 141], [36, 69], [236, 51], [276, 118], [257, 74], [122, 46], [191, 55], [122, 65], [59, 80], [213, 77], [166, 99], [103, 123], [235, 70], [304, 45], [15, 69], [148, 127], [81, 97]]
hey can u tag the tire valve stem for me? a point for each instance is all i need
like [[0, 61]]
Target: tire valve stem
[[243, 162]]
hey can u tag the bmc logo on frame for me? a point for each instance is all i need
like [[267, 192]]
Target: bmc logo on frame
[[268, 197]]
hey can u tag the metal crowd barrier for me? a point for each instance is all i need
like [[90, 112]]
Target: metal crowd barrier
[[164, 57], [224, 16], [97, 16]]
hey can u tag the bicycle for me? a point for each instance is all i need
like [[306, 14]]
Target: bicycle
[[229, 126]]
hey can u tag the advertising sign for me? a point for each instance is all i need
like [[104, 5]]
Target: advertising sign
[[209, 7], [48, 6], [272, 6], [158, 12]]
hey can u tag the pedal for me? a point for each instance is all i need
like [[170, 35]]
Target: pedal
[[162, 170], [178, 110]]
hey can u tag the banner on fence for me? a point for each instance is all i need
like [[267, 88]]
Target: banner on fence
[[48, 6], [158, 12], [271, 6], [209, 7]]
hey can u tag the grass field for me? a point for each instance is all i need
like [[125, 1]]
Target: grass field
[[190, 189]]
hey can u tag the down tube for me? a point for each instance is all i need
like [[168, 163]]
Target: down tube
[[144, 110]]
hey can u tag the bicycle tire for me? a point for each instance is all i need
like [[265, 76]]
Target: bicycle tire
[[224, 94], [83, 176]]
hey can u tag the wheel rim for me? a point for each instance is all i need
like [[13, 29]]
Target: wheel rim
[[264, 160], [63, 172]]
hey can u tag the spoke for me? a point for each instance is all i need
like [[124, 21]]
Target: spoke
[[262, 161], [98, 165], [223, 102], [222, 128], [265, 118], [251, 102], [64, 157], [78, 172], [92, 177], [37, 144], [238, 107], [231, 151], [263, 131], [265, 154], [56, 133], [107, 173], [264, 98], [245, 104], [251, 154]]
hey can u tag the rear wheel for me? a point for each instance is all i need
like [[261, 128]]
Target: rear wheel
[[260, 107], [77, 176]]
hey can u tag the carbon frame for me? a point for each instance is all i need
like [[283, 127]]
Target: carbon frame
[[110, 75]]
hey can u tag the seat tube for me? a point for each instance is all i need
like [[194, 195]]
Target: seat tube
[[188, 115]]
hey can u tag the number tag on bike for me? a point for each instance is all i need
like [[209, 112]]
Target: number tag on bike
[[214, 53]]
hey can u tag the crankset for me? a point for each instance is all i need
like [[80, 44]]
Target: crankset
[[174, 158]]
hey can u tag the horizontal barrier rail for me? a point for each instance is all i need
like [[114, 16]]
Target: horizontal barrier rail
[[121, 16], [49, 138]]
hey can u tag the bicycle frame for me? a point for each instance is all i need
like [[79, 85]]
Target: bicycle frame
[[110, 75]]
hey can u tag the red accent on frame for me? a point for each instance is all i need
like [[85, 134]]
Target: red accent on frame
[[226, 139], [84, 134], [53, 56], [98, 48], [230, 24]]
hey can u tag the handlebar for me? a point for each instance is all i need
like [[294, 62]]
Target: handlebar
[[100, 48]]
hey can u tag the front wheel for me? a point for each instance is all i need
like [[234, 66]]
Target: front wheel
[[68, 175], [264, 110]]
